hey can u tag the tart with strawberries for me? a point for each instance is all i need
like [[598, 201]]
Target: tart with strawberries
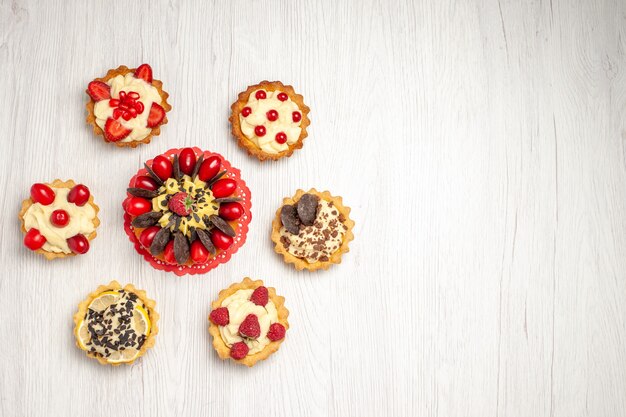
[[127, 106], [187, 211], [269, 120], [59, 219], [116, 325], [248, 322], [312, 230]]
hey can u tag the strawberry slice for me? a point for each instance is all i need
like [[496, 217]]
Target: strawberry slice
[[99, 90], [114, 131], [144, 71], [157, 113]]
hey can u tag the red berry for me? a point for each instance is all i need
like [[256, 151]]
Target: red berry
[[146, 183], [137, 206], [260, 296], [113, 130], [79, 195], [59, 218], [98, 90], [180, 203], [296, 116], [220, 316], [239, 350], [34, 240], [260, 131], [187, 160], [78, 244], [260, 95], [281, 137], [42, 194], [199, 254], [272, 116], [231, 211], [250, 327], [156, 116], [209, 168], [162, 167], [168, 253], [224, 187], [144, 71], [282, 96], [276, 332], [220, 239], [147, 236], [245, 112]]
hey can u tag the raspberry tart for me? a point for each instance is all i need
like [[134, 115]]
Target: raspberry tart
[[248, 322], [187, 211], [269, 120], [116, 325], [312, 230], [127, 106], [59, 219]]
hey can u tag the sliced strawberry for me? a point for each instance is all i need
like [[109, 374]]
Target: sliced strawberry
[[156, 116], [144, 71], [114, 131], [99, 90]]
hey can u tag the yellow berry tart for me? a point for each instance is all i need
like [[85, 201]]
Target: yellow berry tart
[[269, 120], [127, 106], [116, 325], [248, 322], [312, 230], [59, 219]]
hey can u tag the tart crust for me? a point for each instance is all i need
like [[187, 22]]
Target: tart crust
[[300, 263], [29, 202], [156, 131], [246, 143], [223, 351], [141, 294]]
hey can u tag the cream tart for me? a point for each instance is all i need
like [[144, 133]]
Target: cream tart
[[116, 325], [269, 120], [248, 322], [312, 230], [127, 106], [59, 219]]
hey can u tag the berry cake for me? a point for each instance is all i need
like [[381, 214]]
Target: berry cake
[[187, 211], [59, 219], [269, 120], [116, 325], [127, 106], [248, 322], [312, 230]]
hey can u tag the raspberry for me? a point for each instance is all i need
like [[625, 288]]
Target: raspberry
[[220, 316], [238, 350], [259, 296], [250, 327], [276, 332]]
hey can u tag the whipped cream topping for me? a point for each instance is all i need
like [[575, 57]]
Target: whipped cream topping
[[320, 240], [81, 221], [148, 94], [239, 306], [258, 117]]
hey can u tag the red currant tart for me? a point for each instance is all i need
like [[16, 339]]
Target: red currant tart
[[192, 215], [59, 219], [127, 106], [269, 120], [248, 322]]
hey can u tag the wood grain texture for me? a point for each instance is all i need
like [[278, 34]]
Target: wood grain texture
[[480, 144]]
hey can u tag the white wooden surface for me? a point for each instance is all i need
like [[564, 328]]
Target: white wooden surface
[[481, 145]]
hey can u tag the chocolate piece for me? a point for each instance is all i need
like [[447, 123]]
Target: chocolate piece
[[205, 238], [215, 178], [227, 200], [289, 219], [147, 219], [153, 175], [181, 248], [160, 240], [197, 168], [140, 192], [222, 225], [307, 209], [176, 166]]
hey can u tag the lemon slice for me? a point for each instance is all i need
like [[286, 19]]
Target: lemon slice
[[141, 321], [121, 356], [83, 335], [104, 300]]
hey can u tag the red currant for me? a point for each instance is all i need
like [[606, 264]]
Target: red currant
[[272, 115], [260, 131], [260, 95], [282, 96], [42, 194], [34, 240], [281, 137], [59, 218], [78, 244], [245, 112], [79, 195], [296, 116]]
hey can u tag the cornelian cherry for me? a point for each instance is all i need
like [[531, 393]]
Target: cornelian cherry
[[231, 211], [199, 254], [42, 194], [147, 183], [272, 115], [79, 195], [224, 187], [137, 205], [34, 240], [220, 239], [187, 160], [260, 131], [282, 96], [245, 112], [78, 244], [59, 218], [260, 95], [209, 168], [147, 236], [296, 116], [162, 167], [281, 137], [168, 253]]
